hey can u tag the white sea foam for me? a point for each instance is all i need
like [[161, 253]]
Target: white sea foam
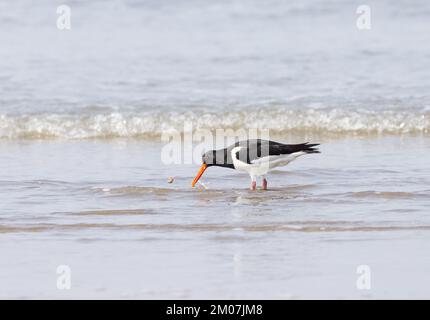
[[151, 125]]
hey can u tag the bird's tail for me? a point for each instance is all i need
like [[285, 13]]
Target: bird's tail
[[306, 147]]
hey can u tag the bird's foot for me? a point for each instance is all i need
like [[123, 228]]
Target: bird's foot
[[253, 185], [264, 184]]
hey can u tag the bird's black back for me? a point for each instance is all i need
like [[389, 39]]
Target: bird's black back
[[254, 149]]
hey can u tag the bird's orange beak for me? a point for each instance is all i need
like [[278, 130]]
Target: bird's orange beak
[[199, 174]]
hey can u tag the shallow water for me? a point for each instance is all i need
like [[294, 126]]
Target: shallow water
[[82, 114]]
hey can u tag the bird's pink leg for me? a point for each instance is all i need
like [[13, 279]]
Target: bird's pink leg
[[253, 185], [264, 184]]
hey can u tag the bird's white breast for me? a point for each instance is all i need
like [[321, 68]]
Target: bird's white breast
[[259, 168]]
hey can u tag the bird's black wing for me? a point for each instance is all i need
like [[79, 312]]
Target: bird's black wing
[[257, 148]]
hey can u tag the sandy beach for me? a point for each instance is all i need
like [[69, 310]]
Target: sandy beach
[[85, 189]]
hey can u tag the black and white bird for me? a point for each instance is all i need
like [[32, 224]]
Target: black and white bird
[[256, 157]]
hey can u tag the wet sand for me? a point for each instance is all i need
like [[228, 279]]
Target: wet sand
[[83, 111], [126, 233]]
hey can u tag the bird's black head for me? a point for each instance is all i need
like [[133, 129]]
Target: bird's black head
[[219, 158]]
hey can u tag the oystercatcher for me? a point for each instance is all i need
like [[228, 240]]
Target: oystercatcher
[[256, 157]]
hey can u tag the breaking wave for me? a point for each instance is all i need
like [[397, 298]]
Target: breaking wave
[[152, 124]]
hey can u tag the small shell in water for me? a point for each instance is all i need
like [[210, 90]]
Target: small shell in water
[[170, 180]]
